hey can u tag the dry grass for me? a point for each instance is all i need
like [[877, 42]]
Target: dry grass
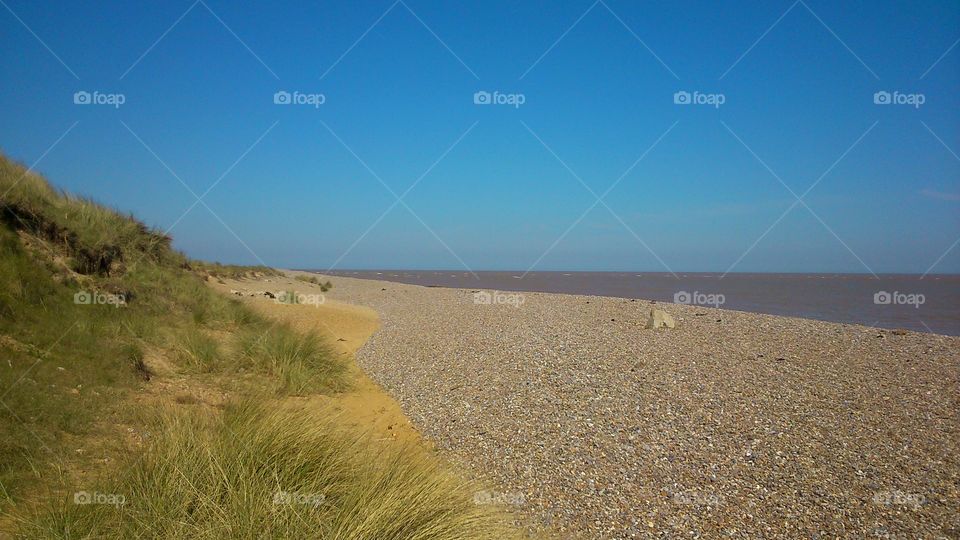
[[261, 471]]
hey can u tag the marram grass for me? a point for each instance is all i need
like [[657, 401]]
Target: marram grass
[[263, 471]]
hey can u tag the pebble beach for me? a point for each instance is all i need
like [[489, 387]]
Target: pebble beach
[[586, 424]]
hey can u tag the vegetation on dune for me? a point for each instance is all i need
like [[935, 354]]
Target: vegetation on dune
[[89, 301], [233, 271], [300, 362], [273, 473], [324, 286]]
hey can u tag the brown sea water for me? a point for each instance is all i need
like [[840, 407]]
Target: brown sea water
[[923, 304]]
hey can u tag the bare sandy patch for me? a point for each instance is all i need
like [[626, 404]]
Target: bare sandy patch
[[345, 327]]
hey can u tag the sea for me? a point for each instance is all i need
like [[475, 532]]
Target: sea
[[928, 303]]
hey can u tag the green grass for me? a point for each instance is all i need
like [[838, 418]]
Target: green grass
[[299, 361], [260, 472], [71, 374], [232, 271], [67, 366], [197, 351]]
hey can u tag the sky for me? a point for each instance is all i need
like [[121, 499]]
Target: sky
[[753, 136]]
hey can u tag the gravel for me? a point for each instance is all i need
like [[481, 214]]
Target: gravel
[[732, 425]]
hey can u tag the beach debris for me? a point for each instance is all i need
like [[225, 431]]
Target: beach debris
[[660, 319], [269, 294], [899, 332]]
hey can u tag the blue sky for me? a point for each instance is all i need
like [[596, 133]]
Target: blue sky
[[695, 187]]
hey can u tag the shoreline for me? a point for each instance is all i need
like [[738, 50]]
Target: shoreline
[[594, 426], [938, 316]]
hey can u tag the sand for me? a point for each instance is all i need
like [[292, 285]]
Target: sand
[[732, 425], [345, 328]]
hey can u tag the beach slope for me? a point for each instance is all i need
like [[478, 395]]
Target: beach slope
[[733, 424]]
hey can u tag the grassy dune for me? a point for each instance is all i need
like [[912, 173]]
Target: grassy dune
[[258, 471], [109, 336]]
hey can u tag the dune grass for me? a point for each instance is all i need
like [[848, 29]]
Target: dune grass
[[268, 472], [73, 368], [197, 351], [232, 271], [262, 470], [299, 361], [69, 364], [324, 286]]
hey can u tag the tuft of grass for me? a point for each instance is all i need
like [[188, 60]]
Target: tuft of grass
[[300, 361], [269, 472], [324, 287], [135, 356], [197, 351]]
